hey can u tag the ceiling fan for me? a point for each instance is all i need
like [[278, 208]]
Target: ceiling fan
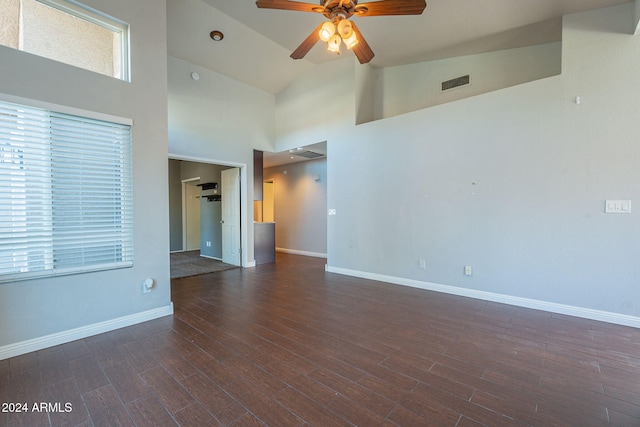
[[339, 28]]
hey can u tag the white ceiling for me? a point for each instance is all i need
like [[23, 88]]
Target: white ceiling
[[257, 42]]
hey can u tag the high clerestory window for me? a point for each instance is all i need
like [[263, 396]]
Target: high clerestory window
[[66, 31], [66, 196]]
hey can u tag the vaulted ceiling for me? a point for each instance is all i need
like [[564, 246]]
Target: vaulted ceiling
[[257, 42]]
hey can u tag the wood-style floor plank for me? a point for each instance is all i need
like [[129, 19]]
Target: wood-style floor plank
[[106, 408], [149, 412], [288, 344]]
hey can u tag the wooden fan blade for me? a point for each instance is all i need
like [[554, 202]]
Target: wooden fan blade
[[307, 44], [362, 49], [391, 7], [289, 5]]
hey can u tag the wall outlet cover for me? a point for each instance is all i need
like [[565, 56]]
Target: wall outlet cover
[[617, 206]]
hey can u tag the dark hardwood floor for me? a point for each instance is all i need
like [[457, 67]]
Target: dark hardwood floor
[[287, 344]]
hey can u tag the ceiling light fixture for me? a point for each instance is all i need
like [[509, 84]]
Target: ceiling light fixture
[[345, 28], [334, 44], [327, 31], [351, 41], [337, 31], [216, 35]]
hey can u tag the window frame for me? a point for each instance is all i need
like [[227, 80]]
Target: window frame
[[119, 28], [96, 17], [104, 266]]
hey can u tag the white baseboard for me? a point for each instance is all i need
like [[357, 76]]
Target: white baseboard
[[58, 338], [303, 253], [569, 310]]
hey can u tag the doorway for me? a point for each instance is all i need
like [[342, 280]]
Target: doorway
[[268, 201], [193, 174]]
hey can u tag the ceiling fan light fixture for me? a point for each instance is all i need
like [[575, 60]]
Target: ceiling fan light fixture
[[345, 29], [334, 44], [327, 31], [351, 41], [341, 10]]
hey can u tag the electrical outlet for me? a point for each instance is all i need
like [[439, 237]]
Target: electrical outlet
[[422, 264], [618, 206]]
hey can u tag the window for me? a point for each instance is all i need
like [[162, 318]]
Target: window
[[65, 31], [66, 197]]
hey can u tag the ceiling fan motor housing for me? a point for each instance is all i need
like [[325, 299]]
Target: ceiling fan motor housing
[[343, 8]]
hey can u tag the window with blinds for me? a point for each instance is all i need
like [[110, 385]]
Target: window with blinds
[[66, 197]]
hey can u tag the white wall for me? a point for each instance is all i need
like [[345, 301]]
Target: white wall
[[45, 310], [511, 182], [316, 106], [407, 88], [217, 116], [365, 93], [221, 121], [637, 17], [300, 206]]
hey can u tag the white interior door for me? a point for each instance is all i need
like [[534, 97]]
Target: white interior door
[[230, 191], [192, 216]]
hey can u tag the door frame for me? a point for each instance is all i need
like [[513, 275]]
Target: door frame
[[244, 226]]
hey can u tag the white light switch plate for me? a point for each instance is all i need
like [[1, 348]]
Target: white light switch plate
[[617, 206], [332, 211]]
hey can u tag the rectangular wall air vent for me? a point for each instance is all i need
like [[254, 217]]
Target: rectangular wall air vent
[[308, 154], [457, 82]]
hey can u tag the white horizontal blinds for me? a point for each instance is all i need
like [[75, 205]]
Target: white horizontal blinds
[[92, 193], [66, 194], [25, 196]]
